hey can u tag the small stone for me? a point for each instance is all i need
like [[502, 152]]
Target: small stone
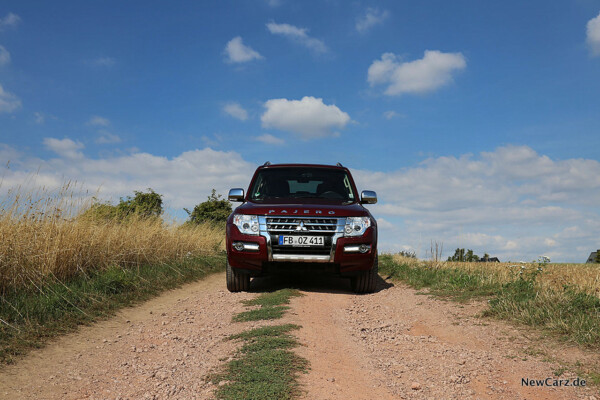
[[415, 386]]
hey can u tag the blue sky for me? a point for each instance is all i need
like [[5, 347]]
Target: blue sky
[[477, 123]]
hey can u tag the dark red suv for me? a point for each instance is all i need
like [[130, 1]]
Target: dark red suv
[[302, 217]]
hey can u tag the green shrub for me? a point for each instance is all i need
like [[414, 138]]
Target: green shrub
[[141, 205], [215, 209]]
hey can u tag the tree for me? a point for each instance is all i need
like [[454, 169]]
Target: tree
[[142, 204], [407, 254], [215, 209], [598, 256], [461, 255]]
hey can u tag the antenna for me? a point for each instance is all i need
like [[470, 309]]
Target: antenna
[[339, 164], [267, 163]]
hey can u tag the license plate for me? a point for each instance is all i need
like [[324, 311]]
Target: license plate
[[301, 240]]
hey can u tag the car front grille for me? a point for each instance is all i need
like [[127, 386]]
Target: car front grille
[[295, 225]]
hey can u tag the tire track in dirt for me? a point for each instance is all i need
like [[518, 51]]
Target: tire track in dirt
[[398, 344], [163, 348], [359, 347]]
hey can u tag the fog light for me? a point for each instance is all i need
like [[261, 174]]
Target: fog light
[[246, 246], [363, 248]]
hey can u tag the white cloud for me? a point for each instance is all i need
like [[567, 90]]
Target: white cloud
[[236, 111], [298, 35], [4, 56], [507, 202], [593, 35], [8, 102], [9, 21], [105, 62], [309, 117], [98, 121], [184, 180], [40, 118], [427, 74], [65, 148], [372, 17], [269, 139], [392, 114], [490, 202], [106, 137], [237, 52]]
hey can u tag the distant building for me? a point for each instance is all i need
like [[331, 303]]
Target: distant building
[[593, 257], [489, 259]]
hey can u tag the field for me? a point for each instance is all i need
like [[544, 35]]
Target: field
[[60, 268], [584, 277], [43, 237], [560, 299]]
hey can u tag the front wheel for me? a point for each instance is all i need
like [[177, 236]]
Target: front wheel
[[236, 281], [366, 282]]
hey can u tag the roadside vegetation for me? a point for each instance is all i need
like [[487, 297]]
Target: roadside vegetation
[[65, 260], [265, 367], [561, 299]]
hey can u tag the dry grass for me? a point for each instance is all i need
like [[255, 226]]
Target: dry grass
[[585, 277], [43, 236]]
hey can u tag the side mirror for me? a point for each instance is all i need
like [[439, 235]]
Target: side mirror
[[236, 194], [368, 197]]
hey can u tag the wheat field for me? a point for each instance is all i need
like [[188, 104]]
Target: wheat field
[[585, 277], [42, 236]]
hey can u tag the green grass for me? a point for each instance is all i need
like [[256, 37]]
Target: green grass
[[569, 314], [276, 298], [271, 306], [263, 313], [265, 367], [29, 318], [265, 331], [454, 283]]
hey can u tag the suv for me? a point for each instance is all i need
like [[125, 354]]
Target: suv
[[303, 217]]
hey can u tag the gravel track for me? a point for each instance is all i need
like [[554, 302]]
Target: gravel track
[[393, 344]]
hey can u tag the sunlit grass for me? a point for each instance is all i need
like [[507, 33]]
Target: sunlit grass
[[584, 277], [43, 236]]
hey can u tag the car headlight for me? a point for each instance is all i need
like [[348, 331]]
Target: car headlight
[[356, 226], [247, 224]]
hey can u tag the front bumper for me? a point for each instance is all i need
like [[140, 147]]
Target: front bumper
[[343, 257]]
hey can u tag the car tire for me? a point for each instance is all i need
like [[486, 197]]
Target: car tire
[[366, 282], [236, 281]]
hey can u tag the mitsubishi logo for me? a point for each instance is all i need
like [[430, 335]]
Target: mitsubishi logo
[[301, 227]]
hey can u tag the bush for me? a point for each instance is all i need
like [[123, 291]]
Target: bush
[[145, 205], [141, 205], [214, 209]]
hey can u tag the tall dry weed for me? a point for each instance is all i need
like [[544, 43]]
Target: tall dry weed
[[43, 236]]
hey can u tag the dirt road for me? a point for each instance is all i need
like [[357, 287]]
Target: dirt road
[[394, 344]]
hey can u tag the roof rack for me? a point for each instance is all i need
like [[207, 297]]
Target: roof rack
[[267, 163], [339, 164]]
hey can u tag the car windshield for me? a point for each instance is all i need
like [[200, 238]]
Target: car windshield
[[302, 182]]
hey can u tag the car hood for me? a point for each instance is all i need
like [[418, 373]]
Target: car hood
[[307, 210]]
